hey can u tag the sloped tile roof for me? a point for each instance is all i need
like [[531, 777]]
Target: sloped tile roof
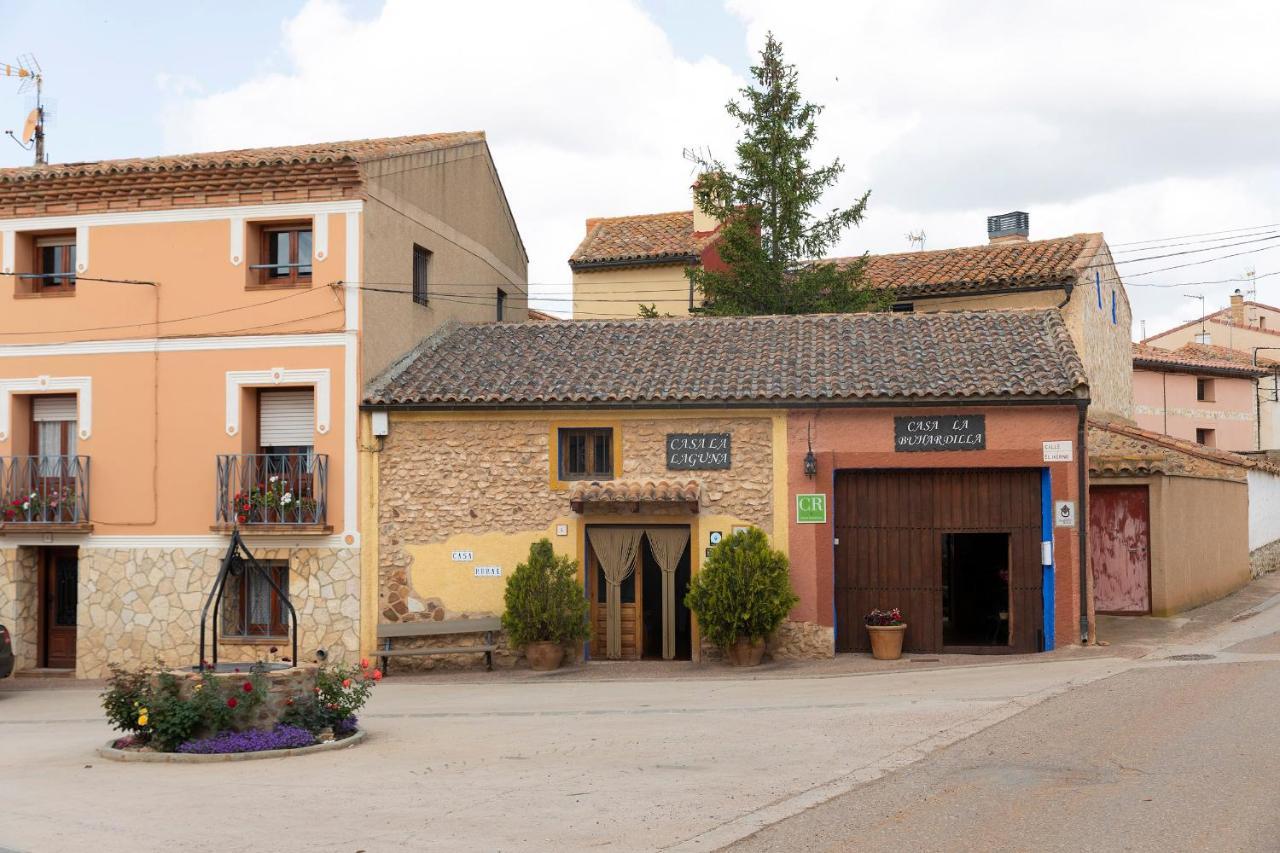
[[1122, 448], [999, 266], [355, 150], [1221, 353], [804, 358], [650, 238], [640, 491], [1195, 358]]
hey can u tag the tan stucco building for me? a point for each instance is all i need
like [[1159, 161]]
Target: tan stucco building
[[185, 338], [1198, 395]]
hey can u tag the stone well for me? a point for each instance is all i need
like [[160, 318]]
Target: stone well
[[282, 685]]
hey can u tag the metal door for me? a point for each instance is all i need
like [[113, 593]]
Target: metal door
[[1120, 548]]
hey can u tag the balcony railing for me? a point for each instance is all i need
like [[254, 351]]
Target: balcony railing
[[44, 490], [285, 490]]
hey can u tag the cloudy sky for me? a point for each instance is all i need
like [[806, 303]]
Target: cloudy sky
[[1157, 123]]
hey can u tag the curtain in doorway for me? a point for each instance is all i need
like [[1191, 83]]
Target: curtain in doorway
[[616, 549], [667, 545]]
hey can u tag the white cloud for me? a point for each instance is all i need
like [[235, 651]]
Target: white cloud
[[586, 106]]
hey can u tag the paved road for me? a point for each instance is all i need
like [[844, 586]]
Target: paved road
[[1165, 758]]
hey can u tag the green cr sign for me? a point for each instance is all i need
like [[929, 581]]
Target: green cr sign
[[811, 509]]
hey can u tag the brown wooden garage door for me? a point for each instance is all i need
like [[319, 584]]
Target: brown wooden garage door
[[891, 526]]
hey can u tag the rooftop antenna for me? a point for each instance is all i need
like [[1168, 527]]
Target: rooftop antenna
[[28, 70], [1204, 336], [916, 237]]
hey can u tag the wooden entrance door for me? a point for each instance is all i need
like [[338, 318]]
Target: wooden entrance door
[[894, 527], [59, 585], [1120, 548]]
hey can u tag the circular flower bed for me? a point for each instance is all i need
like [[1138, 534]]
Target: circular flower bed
[[204, 712]]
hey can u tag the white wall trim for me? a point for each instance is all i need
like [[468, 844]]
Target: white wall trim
[[236, 225], [82, 248], [82, 386], [318, 378], [320, 236], [298, 210], [214, 540], [148, 345], [7, 250]]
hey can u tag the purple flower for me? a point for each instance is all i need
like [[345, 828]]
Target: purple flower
[[281, 737], [345, 727]]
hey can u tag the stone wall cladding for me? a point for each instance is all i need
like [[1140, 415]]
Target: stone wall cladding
[[1264, 560], [1104, 347], [140, 606], [281, 686], [19, 604], [438, 479], [792, 641]]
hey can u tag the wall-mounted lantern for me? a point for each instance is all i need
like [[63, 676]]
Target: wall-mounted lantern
[[810, 461]]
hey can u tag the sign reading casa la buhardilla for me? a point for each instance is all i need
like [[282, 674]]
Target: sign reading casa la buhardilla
[[699, 451], [940, 432]]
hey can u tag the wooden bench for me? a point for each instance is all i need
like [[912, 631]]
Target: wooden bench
[[390, 630]]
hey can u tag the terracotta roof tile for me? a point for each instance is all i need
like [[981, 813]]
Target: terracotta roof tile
[[356, 150], [806, 358], [630, 492], [1195, 358], [650, 238], [1158, 452]]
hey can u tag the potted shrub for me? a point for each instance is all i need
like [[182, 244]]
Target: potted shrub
[[741, 595], [545, 606], [886, 628]]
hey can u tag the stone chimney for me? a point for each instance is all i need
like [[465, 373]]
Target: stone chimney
[[1012, 227], [1237, 309], [703, 222]]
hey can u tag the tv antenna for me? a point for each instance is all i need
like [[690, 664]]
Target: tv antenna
[[28, 70], [916, 238]]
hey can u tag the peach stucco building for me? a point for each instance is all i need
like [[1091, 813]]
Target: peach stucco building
[[1197, 396], [184, 340]]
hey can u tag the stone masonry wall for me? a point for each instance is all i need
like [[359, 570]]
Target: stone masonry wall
[[139, 606], [1264, 560], [18, 602]]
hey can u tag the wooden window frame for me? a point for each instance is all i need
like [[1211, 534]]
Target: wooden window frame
[[421, 274], [262, 279], [591, 452], [64, 285], [1206, 437], [1205, 390], [278, 625]]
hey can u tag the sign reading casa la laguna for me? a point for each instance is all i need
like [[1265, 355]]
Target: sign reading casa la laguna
[[698, 451]]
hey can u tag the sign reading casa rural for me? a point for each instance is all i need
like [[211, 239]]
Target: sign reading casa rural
[[698, 451], [940, 432]]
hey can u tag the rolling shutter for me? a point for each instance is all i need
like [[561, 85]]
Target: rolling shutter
[[53, 408], [286, 418]]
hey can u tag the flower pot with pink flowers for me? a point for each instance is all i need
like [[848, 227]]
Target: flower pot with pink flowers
[[886, 629]]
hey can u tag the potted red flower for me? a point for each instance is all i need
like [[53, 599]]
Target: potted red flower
[[886, 628]]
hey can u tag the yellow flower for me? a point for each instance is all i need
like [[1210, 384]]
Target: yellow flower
[[199, 687], [142, 719]]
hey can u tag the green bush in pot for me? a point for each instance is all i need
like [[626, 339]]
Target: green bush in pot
[[545, 606], [742, 594]]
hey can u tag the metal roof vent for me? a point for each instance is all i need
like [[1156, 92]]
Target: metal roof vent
[[1009, 227]]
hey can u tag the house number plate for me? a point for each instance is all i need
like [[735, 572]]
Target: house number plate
[[463, 556]]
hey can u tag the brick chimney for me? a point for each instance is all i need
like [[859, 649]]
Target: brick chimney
[[1012, 227], [1237, 309]]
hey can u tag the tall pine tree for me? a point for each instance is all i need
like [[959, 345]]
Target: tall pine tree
[[770, 240]]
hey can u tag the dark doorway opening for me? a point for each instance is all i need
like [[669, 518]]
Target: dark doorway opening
[[975, 589], [651, 580], [59, 594]]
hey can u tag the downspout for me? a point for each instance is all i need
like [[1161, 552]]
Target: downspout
[[1082, 522], [1164, 401]]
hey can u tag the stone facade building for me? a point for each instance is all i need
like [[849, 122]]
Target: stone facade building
[[497, 436]]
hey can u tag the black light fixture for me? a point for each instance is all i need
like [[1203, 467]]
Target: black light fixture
[[810, 461]]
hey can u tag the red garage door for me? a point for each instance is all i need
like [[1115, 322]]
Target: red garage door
[[1120, 549]]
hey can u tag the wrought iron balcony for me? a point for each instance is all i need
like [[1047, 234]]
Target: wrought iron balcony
[[44, 492], [273, 492]]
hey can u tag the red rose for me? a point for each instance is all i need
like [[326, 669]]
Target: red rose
[[377, 675], [231, 703], [346, 682], [364, 663], [247, 687], [242, 518]]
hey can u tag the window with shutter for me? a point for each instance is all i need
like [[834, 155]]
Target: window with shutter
[[286, 418]]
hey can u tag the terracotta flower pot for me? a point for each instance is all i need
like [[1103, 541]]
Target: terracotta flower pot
[[746, 652], [886, 641], [544, 656]]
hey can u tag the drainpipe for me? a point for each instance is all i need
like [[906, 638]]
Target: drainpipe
[[1082, 521]]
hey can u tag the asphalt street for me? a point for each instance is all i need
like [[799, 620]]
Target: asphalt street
[[1170, 758]]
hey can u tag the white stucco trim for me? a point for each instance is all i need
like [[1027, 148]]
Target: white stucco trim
[[320, 236], [236, 228], [82, 248], [81, 386], [317, 378], [148, 345], [295, 210], [212, 540], [7, 250]]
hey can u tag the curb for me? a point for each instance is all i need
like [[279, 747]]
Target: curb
[[113, 754]]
